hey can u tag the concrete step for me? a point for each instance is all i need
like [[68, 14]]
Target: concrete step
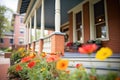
[[110, 64]]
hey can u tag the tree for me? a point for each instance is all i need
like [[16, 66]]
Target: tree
[[4, 22]]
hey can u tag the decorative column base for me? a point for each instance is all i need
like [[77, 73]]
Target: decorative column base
[[33, 46], [28, 46], [57, 43], [41, 46]]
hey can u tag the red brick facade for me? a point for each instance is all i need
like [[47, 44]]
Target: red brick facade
[[86, 22], [6, 42], [113, 18], [71, 27], [113, 10]]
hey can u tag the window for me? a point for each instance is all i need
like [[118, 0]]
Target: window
[[21, 19], [21, 30], [79, 26], [21, 41], [11, 41], [1, 40], [99, 20]]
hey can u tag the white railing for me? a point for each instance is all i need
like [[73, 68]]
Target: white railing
[[37, 45], [47, 44]]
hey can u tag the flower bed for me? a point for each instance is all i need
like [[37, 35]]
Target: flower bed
[[28, 65]]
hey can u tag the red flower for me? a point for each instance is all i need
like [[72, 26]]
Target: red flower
[[88, 48], [26, 59], [69, 44], [31, 64], [18, 68], [78, 65]]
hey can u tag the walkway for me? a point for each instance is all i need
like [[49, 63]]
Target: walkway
[[4, 65]]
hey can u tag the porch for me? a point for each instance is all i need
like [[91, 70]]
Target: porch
[[62, 19], [41, 15]]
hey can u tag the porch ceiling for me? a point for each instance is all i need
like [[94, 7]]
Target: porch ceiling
[[66, 5]]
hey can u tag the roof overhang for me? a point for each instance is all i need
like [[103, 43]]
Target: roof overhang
[[66, 5], [22, 6]]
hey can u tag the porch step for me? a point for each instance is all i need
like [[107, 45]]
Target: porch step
[[111, 64]]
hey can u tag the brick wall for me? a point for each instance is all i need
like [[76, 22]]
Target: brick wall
[[86, 22], [71, 27], [113, 10], [6, 43]]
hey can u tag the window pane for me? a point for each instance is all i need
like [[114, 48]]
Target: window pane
[[101, 31], [78, 20], [99, 12], [79, 25], [1, 40], [78, 35], [21, 41], [21, 30], [11, 41]]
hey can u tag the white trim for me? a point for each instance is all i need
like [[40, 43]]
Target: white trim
[[66, 23], [91, 21], [77, 7], [106, 19]]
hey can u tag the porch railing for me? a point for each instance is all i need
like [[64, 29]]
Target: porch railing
[[47, 44], [52, 43]]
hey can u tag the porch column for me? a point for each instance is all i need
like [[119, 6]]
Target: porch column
[[30, 31], [42, 19], [42, 26], [30, 34], [26, 37], [57, 40], [35, 36], [57, 16]]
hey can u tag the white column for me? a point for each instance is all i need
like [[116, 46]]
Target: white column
[[42, 19], [30, 31], [57, 16], [35, 35], [27, 33]]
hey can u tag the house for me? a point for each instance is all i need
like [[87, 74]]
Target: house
[[81, 20], [7, 40], [19, 30]]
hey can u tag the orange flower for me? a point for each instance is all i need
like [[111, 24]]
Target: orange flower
[[32, 55], [43, 54], [62, 64], [78, 65], [31, 64], [51, 58], [118, 78], [67, 71], [88, 48], [26, 59], [18, 67]]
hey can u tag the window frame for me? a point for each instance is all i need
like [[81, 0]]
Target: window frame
[[92, 26], [21, 40], [22, 30]]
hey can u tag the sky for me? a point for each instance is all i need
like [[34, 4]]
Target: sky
[[12, 4]]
